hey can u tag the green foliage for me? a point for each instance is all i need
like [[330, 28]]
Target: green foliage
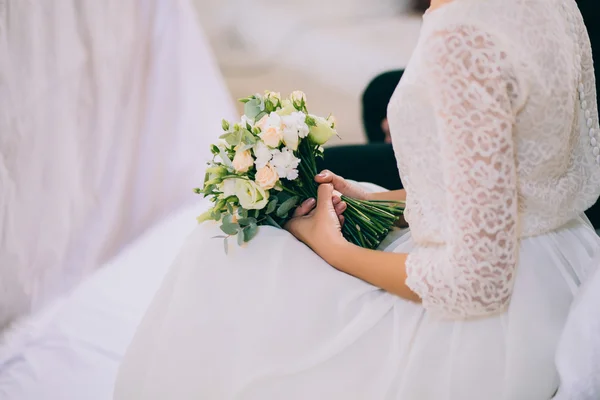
[[287, 206]]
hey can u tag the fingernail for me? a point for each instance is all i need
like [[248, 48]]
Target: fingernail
[[311, 201], [322, 175]]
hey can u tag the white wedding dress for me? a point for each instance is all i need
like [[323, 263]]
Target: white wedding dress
[[495, 125]]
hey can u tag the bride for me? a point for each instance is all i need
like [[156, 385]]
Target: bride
[[495, 124]]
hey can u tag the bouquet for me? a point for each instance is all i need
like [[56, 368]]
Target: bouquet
[[264, 166]]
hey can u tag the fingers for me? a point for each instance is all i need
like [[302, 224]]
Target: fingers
[[325, 197], [340, 207], [327, 176], [305, 208]]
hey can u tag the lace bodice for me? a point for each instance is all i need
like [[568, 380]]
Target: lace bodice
[[495, 126]]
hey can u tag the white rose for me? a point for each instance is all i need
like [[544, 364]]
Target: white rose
[[332, 121], [266, 177], [227, 187], [286, 108], [250, 195], [285, 163], [322, 132], [298, 96], [274, 97], [263, 155], [242, 161]]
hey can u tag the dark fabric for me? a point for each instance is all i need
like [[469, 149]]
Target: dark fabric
[[374, 103], [375, 162]]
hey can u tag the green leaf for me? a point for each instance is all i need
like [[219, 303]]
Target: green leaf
[[272, 222], [240, 237], [230, 229], [216, 215], [243, 212], [233, 138], [214, 149], [248, 138], [247, 221], [259, 116], [229, 209], [226, 245], [252, 108], [286, 206], [256, 213], [272, 206], [250, 232]]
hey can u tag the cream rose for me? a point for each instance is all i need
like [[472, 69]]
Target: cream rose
[[272, 136], [250, 195], [242, 161], [298, 96], [262, 123], [266, 177]]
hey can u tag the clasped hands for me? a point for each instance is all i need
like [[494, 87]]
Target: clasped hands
[[318, 222]]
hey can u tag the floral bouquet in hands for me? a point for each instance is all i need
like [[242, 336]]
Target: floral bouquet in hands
[[264, 166]]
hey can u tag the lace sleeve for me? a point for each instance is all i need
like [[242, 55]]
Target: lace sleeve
[[470, 88]]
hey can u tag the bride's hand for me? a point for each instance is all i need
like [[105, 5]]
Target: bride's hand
[[319, 227], [343, 186]]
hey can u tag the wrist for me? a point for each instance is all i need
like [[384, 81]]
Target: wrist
[[337, 252]]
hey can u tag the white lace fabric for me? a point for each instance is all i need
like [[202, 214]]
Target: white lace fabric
[[509, 148]]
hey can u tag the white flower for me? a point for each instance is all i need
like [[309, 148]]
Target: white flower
[[298, 96], [274, 97], [285, 163], [294, 127], [322, 132], [227, 187], [242, 161], [286, 108], [250, 195], [263, 155], [266, 177], [272, 134]]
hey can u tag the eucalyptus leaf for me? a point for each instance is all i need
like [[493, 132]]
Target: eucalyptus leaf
[[256, 213], [243, 212], [250, 232], [247, 221], [230, 229], [272, 222], [226, 245], [230, 209], [272, 206], [240, 237], [252, 108], [233, 138], [286, 206]]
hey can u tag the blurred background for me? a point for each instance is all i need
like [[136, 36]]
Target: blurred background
[[330, 49], [107, 109]]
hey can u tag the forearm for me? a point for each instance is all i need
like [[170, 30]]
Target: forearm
[[384, 270], [391, 195]]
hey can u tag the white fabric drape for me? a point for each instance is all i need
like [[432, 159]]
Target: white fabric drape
[[106, 109]]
